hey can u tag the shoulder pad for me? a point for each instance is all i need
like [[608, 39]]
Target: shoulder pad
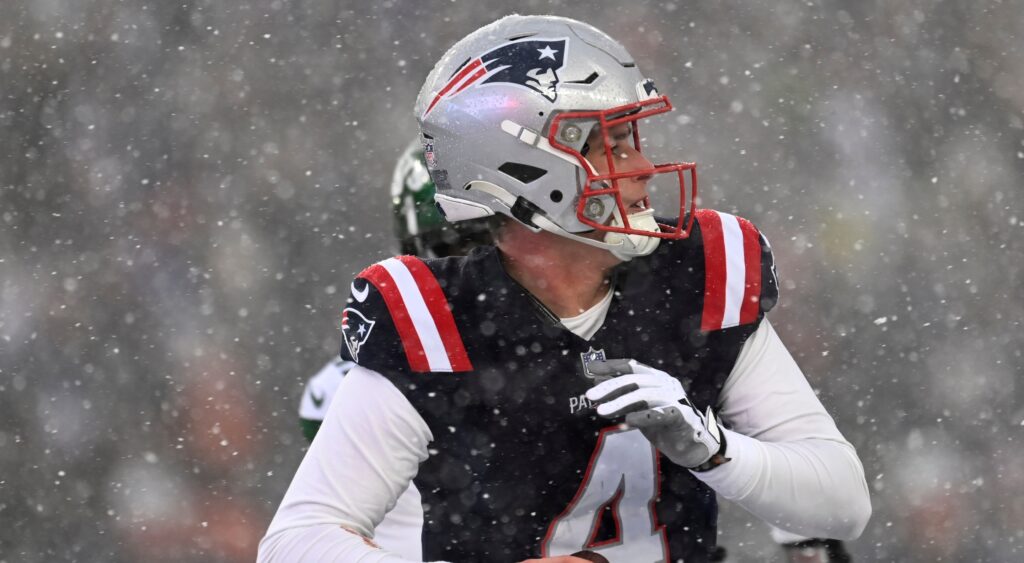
[[414, 312], [739, 271]]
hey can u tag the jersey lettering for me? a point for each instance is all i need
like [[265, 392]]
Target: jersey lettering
[[623, 477]]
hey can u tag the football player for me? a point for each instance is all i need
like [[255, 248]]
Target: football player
[[422, 231], [558, 394]]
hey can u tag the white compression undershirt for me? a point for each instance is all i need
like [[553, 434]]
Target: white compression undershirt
[[586, 324]]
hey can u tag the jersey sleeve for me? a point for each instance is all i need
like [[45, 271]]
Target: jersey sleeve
[[397, 320], [791, 466], [740, 285], [331, 509]]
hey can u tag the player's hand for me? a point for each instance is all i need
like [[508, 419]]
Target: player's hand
[[655, 403]]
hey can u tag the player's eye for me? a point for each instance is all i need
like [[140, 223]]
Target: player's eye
[[621, 136]]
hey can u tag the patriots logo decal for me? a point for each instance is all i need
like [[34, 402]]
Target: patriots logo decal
[[356, 329], [531, 63], [646, 90]]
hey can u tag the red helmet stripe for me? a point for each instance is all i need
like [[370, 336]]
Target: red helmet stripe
[[469, 81], [477, 63]]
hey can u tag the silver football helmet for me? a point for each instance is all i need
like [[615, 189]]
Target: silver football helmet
[[505, 117]]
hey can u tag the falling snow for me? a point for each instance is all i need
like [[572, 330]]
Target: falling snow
[[186, 189]]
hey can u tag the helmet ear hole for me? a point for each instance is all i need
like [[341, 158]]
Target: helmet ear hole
[[556, 196], [522, 172]]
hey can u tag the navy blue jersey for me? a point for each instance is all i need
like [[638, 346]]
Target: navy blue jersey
[[521, 465]]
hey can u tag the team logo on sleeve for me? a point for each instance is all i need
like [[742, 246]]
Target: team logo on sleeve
[[530, 63], [589, 356], [356, 328]]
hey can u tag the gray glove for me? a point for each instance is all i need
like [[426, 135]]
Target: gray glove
[[655, 403]]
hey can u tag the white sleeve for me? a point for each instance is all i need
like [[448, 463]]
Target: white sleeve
[[790, 465], [364, 456]]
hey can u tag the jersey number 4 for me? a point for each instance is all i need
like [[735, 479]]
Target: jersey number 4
[[622, 479]]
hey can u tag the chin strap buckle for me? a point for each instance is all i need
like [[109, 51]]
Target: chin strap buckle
[[524, 211]]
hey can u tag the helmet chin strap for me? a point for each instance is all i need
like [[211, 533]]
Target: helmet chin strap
[[625, 247], [622, 246]]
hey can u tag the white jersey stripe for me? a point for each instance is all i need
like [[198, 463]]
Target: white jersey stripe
[[735, 269], [422, 320]]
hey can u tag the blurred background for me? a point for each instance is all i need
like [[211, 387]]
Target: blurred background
[[186, 189]]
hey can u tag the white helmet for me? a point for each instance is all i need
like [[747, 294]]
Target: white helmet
[[505, 116]]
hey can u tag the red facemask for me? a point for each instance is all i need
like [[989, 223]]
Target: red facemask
[[608, 184]]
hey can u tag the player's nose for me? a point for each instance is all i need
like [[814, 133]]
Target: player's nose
[[633, 160]]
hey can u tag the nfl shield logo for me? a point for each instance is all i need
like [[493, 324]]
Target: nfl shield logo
[[428, 155], [591, 355]]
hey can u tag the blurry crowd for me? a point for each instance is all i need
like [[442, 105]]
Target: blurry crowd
[[186, 189]]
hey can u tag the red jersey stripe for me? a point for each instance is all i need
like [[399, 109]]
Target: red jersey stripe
[[714, 269], [437, 304], [752, 260], [381, 279]]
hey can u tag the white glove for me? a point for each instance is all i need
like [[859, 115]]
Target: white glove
[[655, 403]]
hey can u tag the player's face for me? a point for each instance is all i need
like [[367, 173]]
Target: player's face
[[627, 159]]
